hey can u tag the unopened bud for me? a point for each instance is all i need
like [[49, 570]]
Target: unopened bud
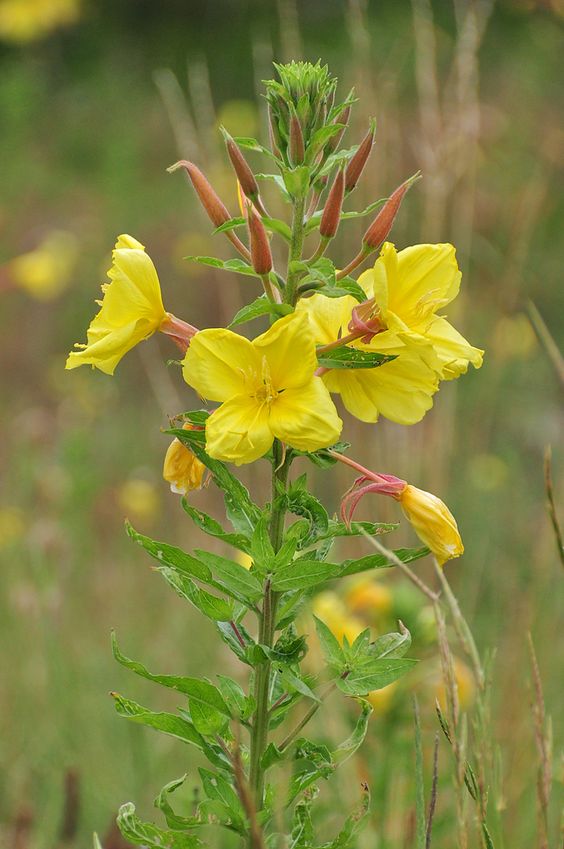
[[378, 231], [273, 134], [215, 208], [342, 118], [359, 160], [332, 210], [240, 166], [297, 147], [261, 256]]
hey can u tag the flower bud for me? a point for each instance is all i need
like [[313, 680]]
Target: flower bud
[[342, 118], [378, 231], [261, 256], [359, 160], [215, 208], [332, 210], [273, 134], [297, 147], [432, 521], [241, 167], [181, 467]]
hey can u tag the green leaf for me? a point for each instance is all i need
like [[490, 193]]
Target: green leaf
[[96, 842], [261, 549], [213, 528], [260, 306], [238, 266], [218, 788], [174, 820], [302, 835], [170, 555], [168, 723], [148, 835], [339, 529], [313, 761], [296, 180], [217, 609], [344, 287], [391, 645], [353, 825], [241, 511], [276, 225], [252, 144], [231, 224], [295, 683], [380, 561], [301, 574], [320, 138], [332, 651], [343, 752], [272, 755], [229, 637], [352, 358], [374, 675], [240, 706], [232, 577], [277, 179], [321, 458], [315, 219], [301, 503]]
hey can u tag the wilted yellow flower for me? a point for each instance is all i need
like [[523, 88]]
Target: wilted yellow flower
[[368, 596], [267, 388], [22, 21], [401, 390], [432, 521], [131, 309], [409, 288], [46, 271], [138, 498], [181, 467]]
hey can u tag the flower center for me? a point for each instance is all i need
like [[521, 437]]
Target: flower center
[[265, 392]]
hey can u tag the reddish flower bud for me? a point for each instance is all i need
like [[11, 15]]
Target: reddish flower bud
[[378, 231], [240, 166], [332, 210], [297, 147], [359, 160], [261, 256], [214, 207]]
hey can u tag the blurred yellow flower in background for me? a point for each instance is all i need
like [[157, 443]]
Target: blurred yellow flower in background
[[12, 525], [369, 597], [46, 271], [331, 609], [433, 522], [22, 21], [131, 309], [381, 700], [181, 467], [465, 682], [267, 388], [138, 498]]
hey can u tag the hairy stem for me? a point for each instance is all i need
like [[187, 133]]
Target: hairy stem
[[296, 247]]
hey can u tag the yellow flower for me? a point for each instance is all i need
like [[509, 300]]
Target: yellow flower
[[244, 559], [432, 521], [401, 390], [329, 607], [131, 310], [139, 499], [409, 287], [181, 467], [45, 271], [367, 596], [267, 388], [22, 21]]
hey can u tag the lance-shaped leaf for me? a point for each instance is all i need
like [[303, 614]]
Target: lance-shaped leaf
[[170, 555], [211, 527], [174, 820], [236, 636], [217, 788], [168, 723], [217, 609], [315, 219], [302, 835], [150, 836], [339, 529], [380, 561], [239, 266], [373, 674], [259, 307], [232, 577], [240, 706], [346, 749], [301, 574], [331, 648], [352, 358]]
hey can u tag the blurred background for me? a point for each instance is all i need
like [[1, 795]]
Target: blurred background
[[96, 100]]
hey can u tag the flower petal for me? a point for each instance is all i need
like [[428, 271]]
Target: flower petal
[[289, 349], [328, 316], [238, 431], [453, 350], [306, 417], [105, 349], [421, 279], [219, 364]]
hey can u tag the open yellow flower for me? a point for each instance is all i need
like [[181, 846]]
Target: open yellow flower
[[401, 390], [409, 288], [181, 468], [131, 309], [267, 389], [432, 521]]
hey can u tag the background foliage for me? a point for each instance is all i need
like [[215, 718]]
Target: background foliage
[[92, 115]]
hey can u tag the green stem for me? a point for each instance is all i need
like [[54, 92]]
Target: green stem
[[296, 247], [267, 629]]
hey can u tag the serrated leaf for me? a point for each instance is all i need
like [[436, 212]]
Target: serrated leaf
[[259, 307], [233, 578], [301, 574], [168, 723], [374, 675], [380, 561], [332, 651], [218, 788], [150, 836], [217, 609], [238, 266], [170, 555], [352, 358]]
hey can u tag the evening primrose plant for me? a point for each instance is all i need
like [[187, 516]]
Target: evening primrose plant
[[381, 343]]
